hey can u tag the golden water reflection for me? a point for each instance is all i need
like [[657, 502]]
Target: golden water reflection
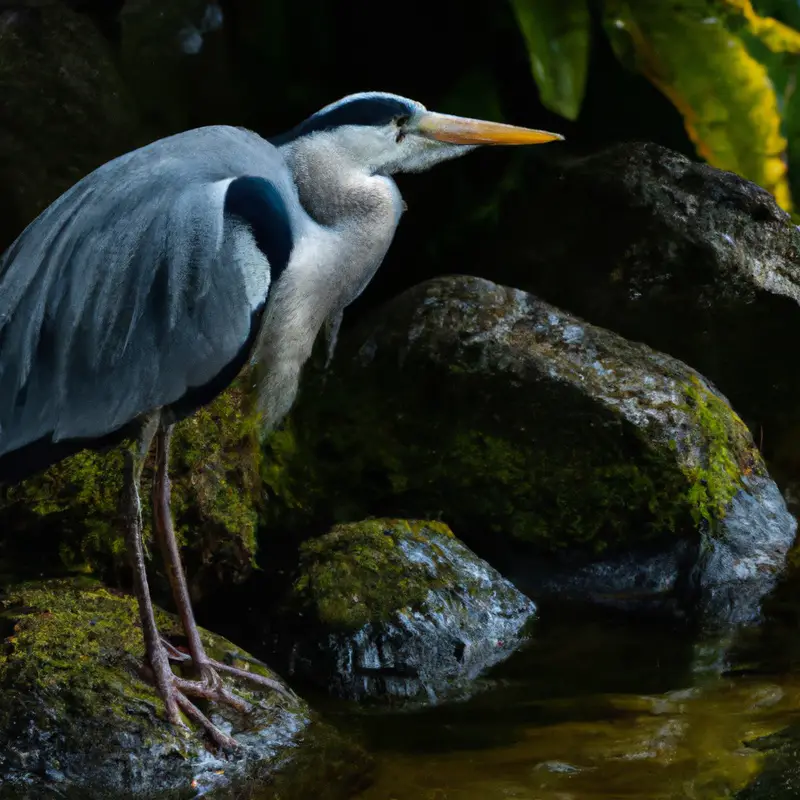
[[681, 744]]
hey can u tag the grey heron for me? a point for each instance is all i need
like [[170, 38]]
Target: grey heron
[[145, 289]]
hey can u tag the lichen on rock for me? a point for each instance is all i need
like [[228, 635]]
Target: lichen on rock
[[389, 609]]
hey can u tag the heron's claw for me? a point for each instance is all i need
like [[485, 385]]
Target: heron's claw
[[210, 668], [176, 691]]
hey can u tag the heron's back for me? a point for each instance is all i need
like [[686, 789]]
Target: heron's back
[[129, 294]]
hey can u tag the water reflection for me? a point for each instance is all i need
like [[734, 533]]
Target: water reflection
[[597, 707]]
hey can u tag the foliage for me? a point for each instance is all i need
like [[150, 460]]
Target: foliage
[[557, 35], [728, 69]]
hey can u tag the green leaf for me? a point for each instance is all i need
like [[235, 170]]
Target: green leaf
[[556, 33], [728, 102]]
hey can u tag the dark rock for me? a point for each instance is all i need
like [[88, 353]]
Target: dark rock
[[397, 609], [64, 109], [528, 430], [175, 62], [780, 776], [76, 720], [693, 261]]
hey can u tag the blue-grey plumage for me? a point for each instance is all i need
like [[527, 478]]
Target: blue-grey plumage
[[135, 286], [141, 292]]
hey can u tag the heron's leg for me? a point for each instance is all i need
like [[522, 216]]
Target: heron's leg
[[159, 663], [174, 691], [208, 668]]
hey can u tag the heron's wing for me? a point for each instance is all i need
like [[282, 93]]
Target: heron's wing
[[139, 285]]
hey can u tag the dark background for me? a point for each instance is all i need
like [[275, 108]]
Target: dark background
[[274, 62]]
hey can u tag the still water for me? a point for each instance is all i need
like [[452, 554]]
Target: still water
[[596, 707]]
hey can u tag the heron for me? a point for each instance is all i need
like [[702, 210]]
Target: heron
[[145, 289]]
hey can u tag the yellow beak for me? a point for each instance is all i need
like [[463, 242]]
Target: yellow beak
[[462, 130]]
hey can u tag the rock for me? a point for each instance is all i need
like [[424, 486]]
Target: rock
[[77, 721], [692, 260], [396, 609], [65, 109], [73, 506], [528, 430], [779, 777]]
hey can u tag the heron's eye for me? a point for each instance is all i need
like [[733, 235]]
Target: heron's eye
[[400, 123]]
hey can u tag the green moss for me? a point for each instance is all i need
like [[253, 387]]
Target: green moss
[[390, 455], [727, 454], [79, 645], [75, 645], [215, 494], [358, 572], [72, 692]]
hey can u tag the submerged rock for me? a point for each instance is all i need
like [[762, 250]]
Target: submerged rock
[[76, 720], [694, 261], [529, 430], [387, 609]]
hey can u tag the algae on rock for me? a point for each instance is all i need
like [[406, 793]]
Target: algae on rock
[[390, 609]]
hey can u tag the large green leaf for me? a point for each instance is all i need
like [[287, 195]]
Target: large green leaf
[[728, 102], [556, 33]]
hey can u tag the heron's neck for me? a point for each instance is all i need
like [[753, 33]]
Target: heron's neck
[[359, 210], [356, 215], [338, 192]]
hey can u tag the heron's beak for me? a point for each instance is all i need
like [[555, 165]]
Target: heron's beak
[[462, 130]]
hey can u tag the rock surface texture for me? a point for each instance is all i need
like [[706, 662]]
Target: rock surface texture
[[694, 261], [529, 430], [397, 609], [76, 720]]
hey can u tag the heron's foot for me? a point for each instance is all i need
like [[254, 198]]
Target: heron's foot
[[176, 691], [210, 668]]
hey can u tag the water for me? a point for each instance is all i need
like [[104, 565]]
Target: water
[[596, 707]]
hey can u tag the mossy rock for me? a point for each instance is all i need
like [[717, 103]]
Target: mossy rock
[[508, 418], [76, 720], [528, 431], [74, 506], [691, 260], [394, 609]]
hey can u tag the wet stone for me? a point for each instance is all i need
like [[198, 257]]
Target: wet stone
[[398, 610]]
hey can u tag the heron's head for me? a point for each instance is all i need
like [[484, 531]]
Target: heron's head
[[386, 134]]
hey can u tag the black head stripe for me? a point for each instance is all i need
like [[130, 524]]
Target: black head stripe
[[368, 110]]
